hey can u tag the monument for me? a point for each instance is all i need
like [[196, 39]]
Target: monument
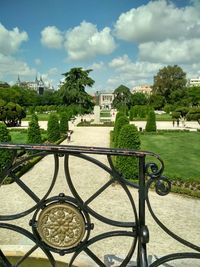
[[97, 109]]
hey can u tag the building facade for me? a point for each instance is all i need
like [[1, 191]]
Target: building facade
[[145, 89], [38, 85], [105, 100], [194, 82]]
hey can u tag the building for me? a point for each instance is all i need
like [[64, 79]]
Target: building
[[4, 84], [194, 82], [105, 100], [38, 85], [145, 89]]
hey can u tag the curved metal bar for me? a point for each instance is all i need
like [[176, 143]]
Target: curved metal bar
[[5, 171], [94, 257], [88, 209], [175, 256], [26, 255], [118, 176], [152, 170], [17, 164], [31, 237], [24, 213], [4, 260], [66, 149], [169, 232], [104, 236]]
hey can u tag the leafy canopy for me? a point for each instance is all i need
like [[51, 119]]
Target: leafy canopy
[[73, 90], [122, 97], [168, 80]]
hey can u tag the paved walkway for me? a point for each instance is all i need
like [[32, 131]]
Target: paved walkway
[[180, 214]]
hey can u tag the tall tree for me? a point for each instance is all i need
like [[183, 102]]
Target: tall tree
[[73, 90], [168, 80], [122, 97]]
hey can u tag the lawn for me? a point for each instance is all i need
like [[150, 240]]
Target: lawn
[[180, 152], [41, 117], [20, 137]]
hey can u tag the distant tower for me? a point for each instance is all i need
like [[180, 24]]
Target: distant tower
[[36, 79], [41, 86], [18, 81]]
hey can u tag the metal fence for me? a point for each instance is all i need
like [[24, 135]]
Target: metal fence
[[63, 224]]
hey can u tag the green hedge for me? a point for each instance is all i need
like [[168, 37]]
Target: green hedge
[[5, 154], [64, 117], [151, 122], [128, 139], [34, 134], [119, 123], [53, 128]]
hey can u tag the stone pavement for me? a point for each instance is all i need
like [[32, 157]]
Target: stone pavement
[[180, 214]]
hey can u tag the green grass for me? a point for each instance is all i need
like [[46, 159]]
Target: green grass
[[20, 137], [179, 151], [105, 114], [41, 117], [163, 117]]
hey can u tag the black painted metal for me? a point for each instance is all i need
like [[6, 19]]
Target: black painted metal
[[136, 228]]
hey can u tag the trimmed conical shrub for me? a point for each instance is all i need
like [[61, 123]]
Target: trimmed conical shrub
[[53, 128], [119, 123], [34, 134], [64, 122], [151, 122], [5, 154], [129, 139]]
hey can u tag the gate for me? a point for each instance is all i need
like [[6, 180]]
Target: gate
[[63, 224]]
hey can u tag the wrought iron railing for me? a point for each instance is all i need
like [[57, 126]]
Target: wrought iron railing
[[63, 224]]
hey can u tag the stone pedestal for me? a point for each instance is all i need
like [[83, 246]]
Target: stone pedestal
[[96, 114]]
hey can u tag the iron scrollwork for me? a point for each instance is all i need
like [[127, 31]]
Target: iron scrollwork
[[63, 224]]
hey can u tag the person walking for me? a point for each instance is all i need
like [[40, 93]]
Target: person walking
[[68, 136]]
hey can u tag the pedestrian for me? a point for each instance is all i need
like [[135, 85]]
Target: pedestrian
[[173, 122], [68, 136], [177, 122]]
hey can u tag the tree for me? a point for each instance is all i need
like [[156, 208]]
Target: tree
[[73, 90], [11, 114], [168, 80], [122, 97], [34, 134], [5, 154], [119, 123], [53, 129], [128, 139], [194, 114], [139, 99], [151, 122], [64, 117], [194, 95], [180, 114], [157, 101]]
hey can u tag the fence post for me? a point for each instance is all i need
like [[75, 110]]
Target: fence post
[[143, 233]]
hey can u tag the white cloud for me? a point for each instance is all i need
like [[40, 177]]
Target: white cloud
[[52, 37], [10, 41], [97, 66], [120, 62], [12, 67], [157, 21], [130, 73], [85, 41], [38, 61], [171, 51]]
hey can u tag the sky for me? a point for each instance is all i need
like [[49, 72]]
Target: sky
[[122, 41]]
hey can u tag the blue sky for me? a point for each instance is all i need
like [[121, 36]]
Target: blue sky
[[123, 41]]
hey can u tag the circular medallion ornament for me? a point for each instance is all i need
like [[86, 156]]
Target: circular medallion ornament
[[61, 226]]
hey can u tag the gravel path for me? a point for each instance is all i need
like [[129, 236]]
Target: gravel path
[[180, 214]]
